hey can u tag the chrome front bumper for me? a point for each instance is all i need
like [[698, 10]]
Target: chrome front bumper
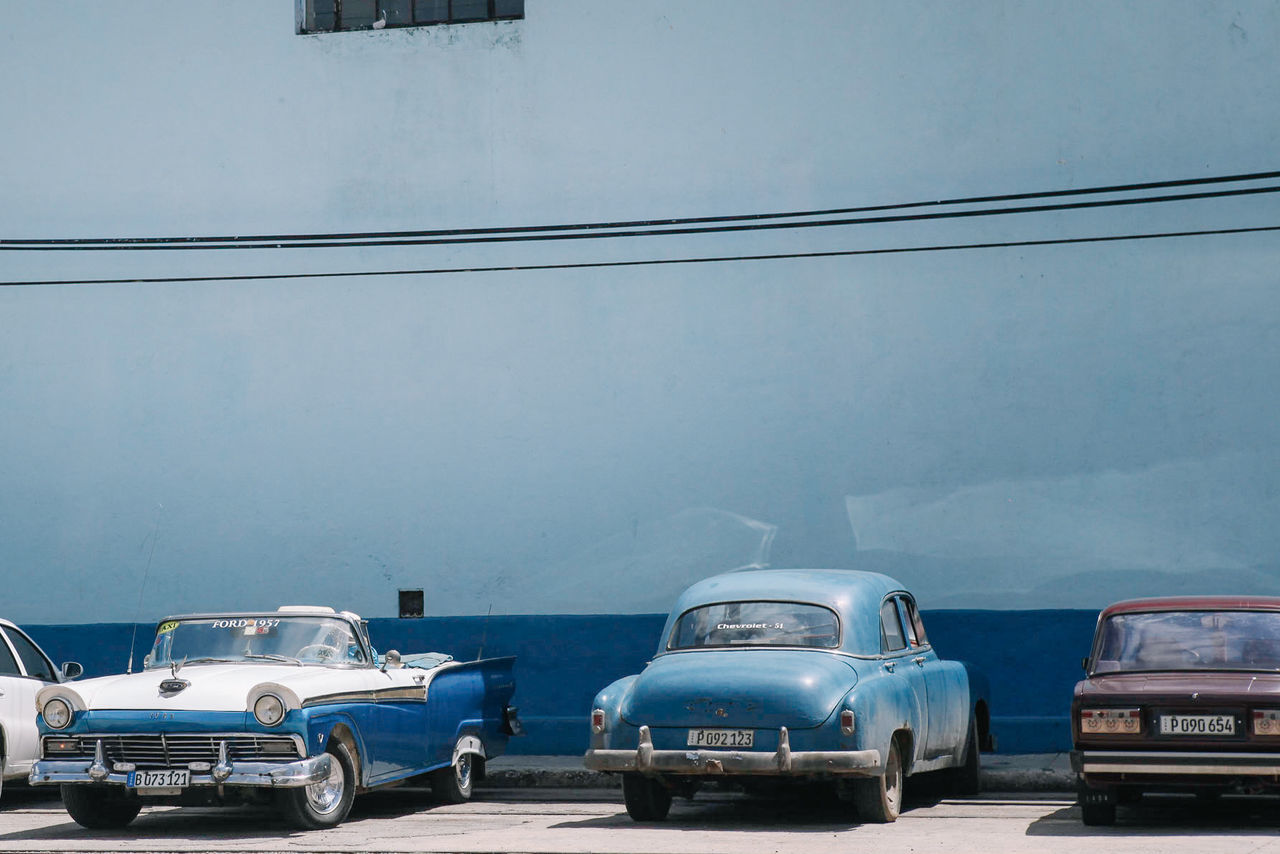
[[276, 775], [1153, 763], [645, 759]]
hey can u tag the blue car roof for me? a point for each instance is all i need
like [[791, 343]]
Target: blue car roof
[[854, 595]]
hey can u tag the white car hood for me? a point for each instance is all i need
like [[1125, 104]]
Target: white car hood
[[216, 687]]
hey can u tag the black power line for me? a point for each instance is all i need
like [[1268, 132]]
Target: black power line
[[640, 228], [1062, 241]]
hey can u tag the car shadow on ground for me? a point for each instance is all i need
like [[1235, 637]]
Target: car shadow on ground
[[219, 822], [1170, 815], [801, 809]]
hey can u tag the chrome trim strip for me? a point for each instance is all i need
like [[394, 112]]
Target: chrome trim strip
[[411, 693]]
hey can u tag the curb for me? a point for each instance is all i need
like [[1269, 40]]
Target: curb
[[1048, 772]]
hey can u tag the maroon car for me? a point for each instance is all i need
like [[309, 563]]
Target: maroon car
[[1182, 694]]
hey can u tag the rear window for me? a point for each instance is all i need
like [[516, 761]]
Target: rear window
[[756, 624], [1189, 640]]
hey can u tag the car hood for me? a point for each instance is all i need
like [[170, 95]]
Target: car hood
[[751, 688], [1182, 684], [214, 687]]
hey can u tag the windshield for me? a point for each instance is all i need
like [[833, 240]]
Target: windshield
[[757, 624], [290, 638], [1190, 640]]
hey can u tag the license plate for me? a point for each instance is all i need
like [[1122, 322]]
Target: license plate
[[170, 781], [726, 738], [1197, 724]]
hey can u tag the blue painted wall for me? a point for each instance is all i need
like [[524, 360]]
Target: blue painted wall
[[1031, 657]]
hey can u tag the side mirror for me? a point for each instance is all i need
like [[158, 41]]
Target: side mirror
[[392, 660], [71, 670]]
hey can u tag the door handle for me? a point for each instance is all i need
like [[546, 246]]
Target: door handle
[[919, 660], [889, 665]]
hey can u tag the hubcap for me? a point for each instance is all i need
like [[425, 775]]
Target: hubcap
[[325, 795], [462, 770]]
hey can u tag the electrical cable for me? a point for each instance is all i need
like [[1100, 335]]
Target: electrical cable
[[639, 228], [1060, 241]]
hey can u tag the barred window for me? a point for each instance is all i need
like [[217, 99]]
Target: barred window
[[332, 16]]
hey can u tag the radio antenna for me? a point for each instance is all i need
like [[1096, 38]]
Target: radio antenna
[[484, 632], [155, 535]]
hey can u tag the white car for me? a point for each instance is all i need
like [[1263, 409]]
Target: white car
[[24, 670]]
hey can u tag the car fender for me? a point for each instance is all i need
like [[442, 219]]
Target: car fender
[[882, 706]]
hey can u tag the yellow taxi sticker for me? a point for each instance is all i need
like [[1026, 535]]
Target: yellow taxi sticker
[[167, 627]]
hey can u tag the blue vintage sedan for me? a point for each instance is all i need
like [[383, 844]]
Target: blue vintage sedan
[[291, 706], [810, 674]]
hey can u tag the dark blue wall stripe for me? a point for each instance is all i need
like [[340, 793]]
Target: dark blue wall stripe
[[1031, 657]]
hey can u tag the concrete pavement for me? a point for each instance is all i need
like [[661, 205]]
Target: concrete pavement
[[1031, 772]]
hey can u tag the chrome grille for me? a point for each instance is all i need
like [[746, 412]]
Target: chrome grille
[[160, 750]]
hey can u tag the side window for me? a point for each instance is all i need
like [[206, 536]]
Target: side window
[[891, 635], [915, 625], [32, 659], [8, 664]]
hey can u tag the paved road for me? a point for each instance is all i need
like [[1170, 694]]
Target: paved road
[[594, 821]]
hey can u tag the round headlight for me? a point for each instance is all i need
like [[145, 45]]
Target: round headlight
[[268, 709], [57, 713]]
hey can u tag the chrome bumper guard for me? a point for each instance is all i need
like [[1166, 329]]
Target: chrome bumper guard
[[275, 775], [1157, 763], [645, 759]]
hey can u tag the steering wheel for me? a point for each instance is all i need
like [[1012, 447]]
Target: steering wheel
[[319, 652]]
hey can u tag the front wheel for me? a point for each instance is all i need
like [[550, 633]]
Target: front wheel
[[99, 807], [326, 803], [878, 799], [646, 798], [453, 784]]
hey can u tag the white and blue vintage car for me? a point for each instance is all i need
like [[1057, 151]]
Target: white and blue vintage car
[[802, 674], [293, 706]]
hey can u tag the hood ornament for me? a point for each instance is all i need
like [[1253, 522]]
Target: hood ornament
[[172, 686]]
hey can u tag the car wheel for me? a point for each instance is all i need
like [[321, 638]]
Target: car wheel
[[326, 803], [966, 777], [99, 808], [878, 799], [1098, 814], [646, 798], [453, 784]]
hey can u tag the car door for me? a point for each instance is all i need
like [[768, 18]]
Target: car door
[[939, 692], [899, 664], [18, 687]]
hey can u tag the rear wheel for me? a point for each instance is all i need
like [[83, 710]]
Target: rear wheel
[[646, 798], [965, 777], [878, 799], [326, 803], [1097, 806], [453, 784], [99, 808]]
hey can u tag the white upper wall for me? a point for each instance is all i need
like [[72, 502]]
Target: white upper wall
[[591, 439]]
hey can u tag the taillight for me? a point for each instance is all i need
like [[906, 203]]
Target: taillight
[[1110, 721], [846, 722], [1266, 722], [597, 720]]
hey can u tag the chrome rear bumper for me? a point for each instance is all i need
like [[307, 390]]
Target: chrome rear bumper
[[1175, 763], [714, 762]]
